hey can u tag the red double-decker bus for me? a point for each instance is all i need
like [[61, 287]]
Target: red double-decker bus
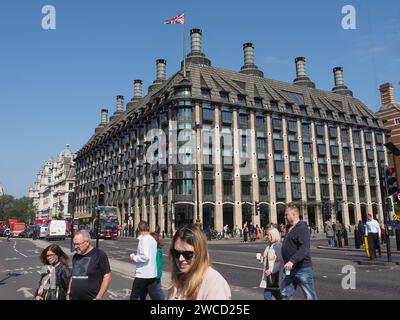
[[42, 221]]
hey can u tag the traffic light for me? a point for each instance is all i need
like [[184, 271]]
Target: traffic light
[[101, 195], [391, 181]]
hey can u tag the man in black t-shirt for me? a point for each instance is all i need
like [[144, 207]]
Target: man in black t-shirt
[[91, 273]]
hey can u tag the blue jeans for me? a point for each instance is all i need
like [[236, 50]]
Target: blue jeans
[[157, 289], [268, 294], [331, 241], [302, 278]]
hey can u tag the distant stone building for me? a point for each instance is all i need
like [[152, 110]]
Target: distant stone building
[[53, 191], [257, 145]]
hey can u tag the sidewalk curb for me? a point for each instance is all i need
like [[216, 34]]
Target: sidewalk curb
[[376, 263], [352, 250], [124, 268]]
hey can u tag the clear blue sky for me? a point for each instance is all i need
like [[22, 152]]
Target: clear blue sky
[[54, 83]]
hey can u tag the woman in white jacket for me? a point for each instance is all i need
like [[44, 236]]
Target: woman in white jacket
[[273, 265]]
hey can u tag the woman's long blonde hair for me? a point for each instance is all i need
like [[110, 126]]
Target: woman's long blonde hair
[[188, 284]]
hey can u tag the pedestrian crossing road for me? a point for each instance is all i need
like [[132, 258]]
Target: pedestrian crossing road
[[20, 268]]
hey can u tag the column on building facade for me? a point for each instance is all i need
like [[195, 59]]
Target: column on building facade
[[137, 184], [237, 219], [303, 186], [161, 208], [329, 167], [286, 160], [366, 175], [318, 212], [355, 181], [146, 208], [378, 182], [345, 207], [171, 162], [198, 163], [254, 168], [273, 218], [152, 208], [218, 212]]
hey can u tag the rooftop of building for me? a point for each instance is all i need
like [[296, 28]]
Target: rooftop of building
[[249, 83]]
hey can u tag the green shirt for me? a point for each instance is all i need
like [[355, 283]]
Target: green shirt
[[160, 262]]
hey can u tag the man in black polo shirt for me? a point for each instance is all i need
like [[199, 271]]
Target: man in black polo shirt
[[296, 256], [91, 273]]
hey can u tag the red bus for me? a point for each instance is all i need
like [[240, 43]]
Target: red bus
[[42, 221]]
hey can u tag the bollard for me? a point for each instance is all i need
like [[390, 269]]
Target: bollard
[[398, 238], [366, 245]]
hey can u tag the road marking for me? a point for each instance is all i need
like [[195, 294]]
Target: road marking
[[330, 259], [119, 294], [324, 276], [36, 251], [15, 243], [236, 265], [26, 292], [10, 259]]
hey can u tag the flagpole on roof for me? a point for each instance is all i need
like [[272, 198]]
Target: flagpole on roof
[[184, 45]]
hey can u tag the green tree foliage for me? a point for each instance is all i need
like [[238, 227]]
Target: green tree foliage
[[21, 209]]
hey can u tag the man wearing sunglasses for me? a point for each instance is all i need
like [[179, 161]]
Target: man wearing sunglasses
[[146, 264]]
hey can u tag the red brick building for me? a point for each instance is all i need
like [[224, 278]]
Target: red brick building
[[389, 113]]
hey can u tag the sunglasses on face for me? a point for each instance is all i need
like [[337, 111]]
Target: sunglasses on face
[[187, 255]]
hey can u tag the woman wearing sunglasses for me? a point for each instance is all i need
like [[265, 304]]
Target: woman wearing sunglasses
[[192, 277], [53, 284]]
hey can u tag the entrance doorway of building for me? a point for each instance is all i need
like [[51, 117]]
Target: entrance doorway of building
[[208, 216], [375, 211], [228, 216], [156, 216], [247, 215], [183, 214], [280, 211], [166, 218], [363, 212], [264, 215], [352, 216], [312, 220]]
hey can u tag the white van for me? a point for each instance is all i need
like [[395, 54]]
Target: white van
[[57, 229]]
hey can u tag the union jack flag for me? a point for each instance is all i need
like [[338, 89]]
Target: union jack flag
[[178, 19]]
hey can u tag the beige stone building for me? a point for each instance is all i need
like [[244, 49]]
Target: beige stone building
[[53, 191], [254, 143]]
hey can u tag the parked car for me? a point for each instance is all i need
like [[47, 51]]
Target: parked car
[[27, 233]]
